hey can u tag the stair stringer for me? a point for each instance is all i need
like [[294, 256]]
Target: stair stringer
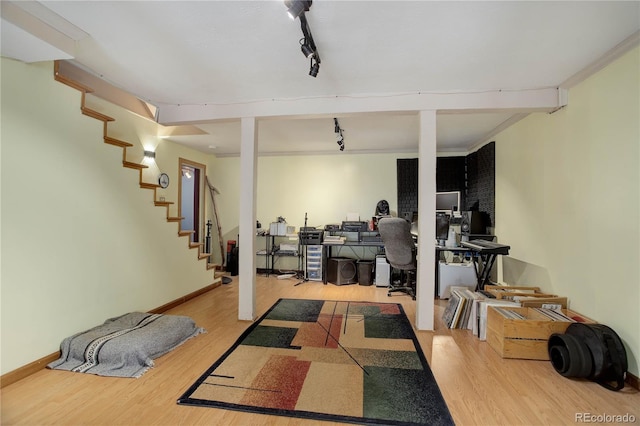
[[105, 119]]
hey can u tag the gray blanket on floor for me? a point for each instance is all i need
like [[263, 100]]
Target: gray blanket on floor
[[124, 346]]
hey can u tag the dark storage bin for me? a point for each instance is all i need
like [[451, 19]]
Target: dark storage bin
[[365, 272], [232, 266]]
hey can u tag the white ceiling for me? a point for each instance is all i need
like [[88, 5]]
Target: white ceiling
[[229, 59]]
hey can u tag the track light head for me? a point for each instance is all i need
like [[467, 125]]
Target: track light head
[[307, 50], [339, 136], [315, 67], [297, 7]]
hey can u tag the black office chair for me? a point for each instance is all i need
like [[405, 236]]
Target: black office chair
[[400, 251]]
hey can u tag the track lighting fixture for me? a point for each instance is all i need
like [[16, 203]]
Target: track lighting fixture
[[307, 51], [297, 9], [339, 136], [315, 67]]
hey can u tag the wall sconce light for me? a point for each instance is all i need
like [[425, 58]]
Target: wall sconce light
[[150, 154]]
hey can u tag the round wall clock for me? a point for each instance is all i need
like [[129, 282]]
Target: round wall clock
[[163, 180]]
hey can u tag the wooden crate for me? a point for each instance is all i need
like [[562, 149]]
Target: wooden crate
[[509, 292], [524, 338], [537, 302]]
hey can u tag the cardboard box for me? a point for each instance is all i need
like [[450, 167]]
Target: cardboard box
[[281, 229], [524, 338]]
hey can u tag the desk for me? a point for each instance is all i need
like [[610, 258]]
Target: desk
[[486, 251], [327, 251], [379, 245]]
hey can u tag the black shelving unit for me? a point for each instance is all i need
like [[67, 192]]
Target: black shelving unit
[[271, 252]]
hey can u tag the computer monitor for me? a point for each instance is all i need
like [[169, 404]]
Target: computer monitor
[[442, 226], [448, 202]]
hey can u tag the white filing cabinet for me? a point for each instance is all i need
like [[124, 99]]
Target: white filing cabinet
[[313, 262], [452, 274]]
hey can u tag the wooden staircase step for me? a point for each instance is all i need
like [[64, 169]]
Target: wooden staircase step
[[175, 219], [78, 86], [203, 255], [195, 245], [185, 233], [117, 142], [162, 203], [131, 165], [149, 185], [96, 114]]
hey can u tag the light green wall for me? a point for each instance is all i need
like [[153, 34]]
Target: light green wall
[[567, 200], [325, 187], [142, 134], [81, 241]]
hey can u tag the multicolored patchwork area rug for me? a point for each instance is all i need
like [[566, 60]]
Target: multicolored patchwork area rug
[[355, 362]]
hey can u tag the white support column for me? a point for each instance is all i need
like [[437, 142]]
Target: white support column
[[427, 219], [247, 223]]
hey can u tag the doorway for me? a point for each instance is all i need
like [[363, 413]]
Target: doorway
[[191, 198]]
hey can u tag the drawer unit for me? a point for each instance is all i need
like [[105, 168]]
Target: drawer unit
[[313, 262]]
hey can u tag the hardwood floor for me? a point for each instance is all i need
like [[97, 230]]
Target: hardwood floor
[[478, 386]]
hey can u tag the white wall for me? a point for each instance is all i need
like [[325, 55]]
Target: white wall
[[567, 200], [81, 241]]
